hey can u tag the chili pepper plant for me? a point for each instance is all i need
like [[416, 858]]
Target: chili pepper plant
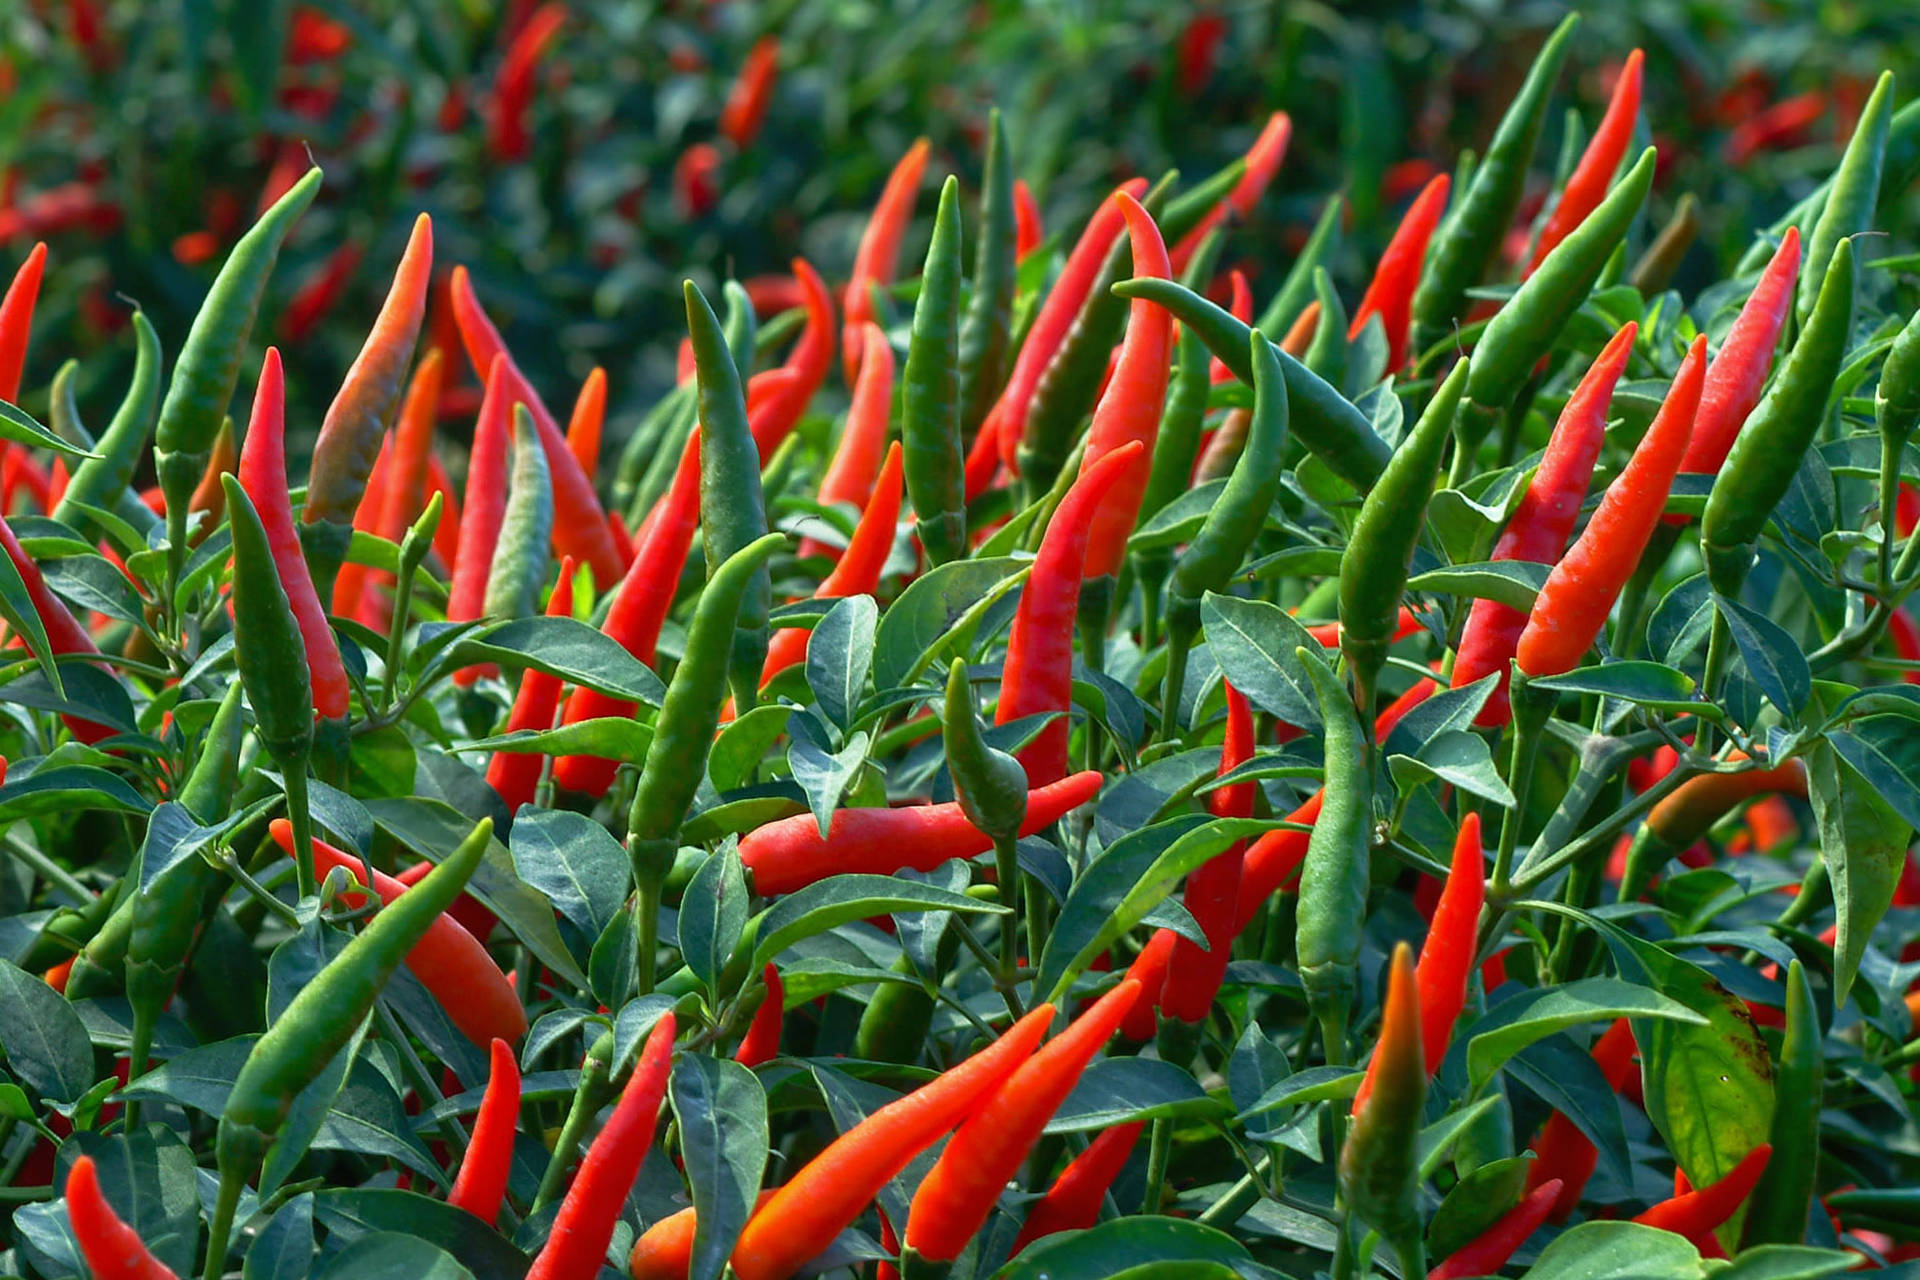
[[1041, 757]]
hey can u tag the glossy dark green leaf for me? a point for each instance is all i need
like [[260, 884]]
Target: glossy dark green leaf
[[839, 656], [722, 1113]]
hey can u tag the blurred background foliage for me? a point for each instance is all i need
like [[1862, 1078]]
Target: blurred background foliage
[[137, 137]]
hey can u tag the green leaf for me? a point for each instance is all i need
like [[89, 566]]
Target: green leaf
[[1315, 1084], [1475, 1203], [149, 1178], [1618, 1251], [355, 1213], [1457, 758], [563, 647], [839, 899], [1254, 643], [1179, 520], [575, 862], [1513, 583], [19, 427], [67, 789], [713, 914], [1864, 844], [722, 1111], [284, 1248], [1772, 657], [393, 1255], [839, 655], [743, 744], [1787, 1262], [1118, 1090], [912, 632], [1124, 1246], [825, 776], [619, 738], [1646, 684], [43, 1038], [1520, 1020]]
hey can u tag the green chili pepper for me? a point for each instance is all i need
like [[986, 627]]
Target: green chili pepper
[[1524, 328], [1760, 467], [1327, 353], [895, 1023], [1177, 438], [521, 554], [321, 1021], [1901, 166], [1067, 388], [1896, 403], [929, 401], [1297, 288], [1335, 872], [683, 732], [991, 787], [1325, 421], [209, 364], [1848, 209], [63, 416], [1373, 568], [592, 1093], [680, 417], [1380, 1160], [1233, 522], [732, 512], [645, 447], [986, 334], [1473, 232], [742, 326], [1777, 1213], [101, 481], [166, 914]]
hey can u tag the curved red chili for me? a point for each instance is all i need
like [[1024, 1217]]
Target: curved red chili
[[110, 1246], [1390, 294], [482, 1183], [808, 364], [508, 135], [1587, 184], [1073, 1202], [879, 252], [1037, 676], [586, 422], [1696, 1214], [1129, 408], [849, 477], [515, 775], [762, 1040], [486, 507], [16, 320], [1542, 522], [1213, 889], [790, 853], [747, 101], [1487, 1252], [1263, 161], [1026, 220]]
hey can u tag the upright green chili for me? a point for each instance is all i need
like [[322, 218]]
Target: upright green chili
[[521, 553], [1525, 327], [1760, 467], [1380, 1160], [1327, 353], [1473, 232], [320, 1022], [1335, 872], [991, 787], [1325, 421], [1848, 209], [683, 732], [1777, 1213], [1297, 289], [732, 512], [103, 480], [209, 364], [987, 331], [930, 393], [1373, 568]]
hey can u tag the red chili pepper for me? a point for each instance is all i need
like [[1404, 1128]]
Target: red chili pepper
[[1037, 676], [584, 426], [316, 296], [1263, 161], [858, 572], [1026, 220], [1446, 957], [1739, 371], [1487, 1252], [1149, 969], [1199, 46], [351, 583], [467, 911], [402, 494], [807, 366], [16, 319], [879, 252], [71, 206], [1129, 410], [263, 474], [508, 136], [956, 1196], [770, 295], [1696, 1214], [790, 853], [1906, 642], [580, 523], [762, 1040], [802, 1218], [110, 1246], [486, 506], [57, 976], [849, 477], [1327, 634], [696, 179], [1390, 294], [314, 37], [1240, 307], [1073, 1202], [1783, 125], [1055, 318], [664, 1250], [195, 247], [515, 775], [637, 613], [1562, 1153], [1543, 521], [1587, 184], [576, 1246], [983, 456], [1213, 889], [448, 960], [482, 1184], [1579, 593], [746, 107]]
